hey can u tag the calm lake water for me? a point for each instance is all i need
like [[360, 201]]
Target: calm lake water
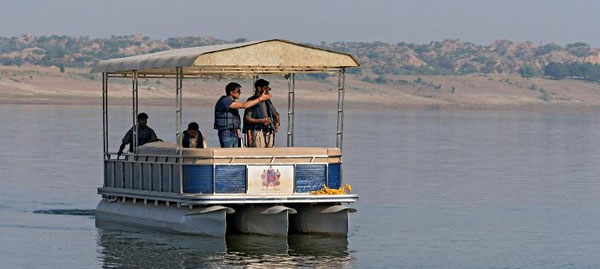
[[437, 190]]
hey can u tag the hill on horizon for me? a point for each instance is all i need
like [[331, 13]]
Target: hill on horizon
[[447, 57]]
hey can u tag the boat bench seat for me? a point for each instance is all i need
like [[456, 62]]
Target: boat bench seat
[[288, 155]]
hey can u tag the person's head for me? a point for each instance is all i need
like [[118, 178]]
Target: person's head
[[193, 129], [142, 119], [234, 90], [261, 86]]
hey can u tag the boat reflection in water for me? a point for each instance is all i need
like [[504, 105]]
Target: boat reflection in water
[[145, 249]]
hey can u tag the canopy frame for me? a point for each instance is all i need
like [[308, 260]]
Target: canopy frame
[[291, 79], [195, 70], [134, 75]]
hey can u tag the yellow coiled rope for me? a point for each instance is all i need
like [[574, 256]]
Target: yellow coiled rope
[[346, 189]]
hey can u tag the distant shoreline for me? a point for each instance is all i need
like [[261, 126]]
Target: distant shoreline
[[35, 85], [122, 103]]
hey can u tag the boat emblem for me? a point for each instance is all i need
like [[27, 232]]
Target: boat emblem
[[270, 179]]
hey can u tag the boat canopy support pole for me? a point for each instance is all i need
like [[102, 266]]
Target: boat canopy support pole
[[254, 79], [105, 113], [178, 105], [291, 107], [340, 114], [179, 134], [134, 93]]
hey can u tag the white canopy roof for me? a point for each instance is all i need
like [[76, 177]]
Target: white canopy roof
[[273, 56]]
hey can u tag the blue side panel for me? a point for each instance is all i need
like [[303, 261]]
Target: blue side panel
[[128, 184], [156, 186], [119, 175], [310, 177], [230, 179], [137, 176], [166, 171], [334, 175], [146, 176], [175, 184], [108, 173], [197, 179]]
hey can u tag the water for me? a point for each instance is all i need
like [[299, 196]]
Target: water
[[437, 190]]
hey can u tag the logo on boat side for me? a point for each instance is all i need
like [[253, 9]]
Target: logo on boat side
[[270, 179]]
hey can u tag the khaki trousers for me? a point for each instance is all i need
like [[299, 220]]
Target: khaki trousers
[[262, 139]]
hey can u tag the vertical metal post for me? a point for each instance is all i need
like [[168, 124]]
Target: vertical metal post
[[134, 92], [104, 142], [340, 114], [178, 111], [178, 104], [105, 113], [254, 79], [291, 107]]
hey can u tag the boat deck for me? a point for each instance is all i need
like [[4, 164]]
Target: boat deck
[[210, 199]]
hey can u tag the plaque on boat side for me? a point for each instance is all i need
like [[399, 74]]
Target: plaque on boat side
[[270, 179]]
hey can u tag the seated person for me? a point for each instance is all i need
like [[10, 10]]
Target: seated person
[[192, 137], [145, 134]]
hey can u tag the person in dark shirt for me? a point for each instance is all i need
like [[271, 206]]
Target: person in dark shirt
[[227, 117], [192, 137], [261, 122], [144, 132]]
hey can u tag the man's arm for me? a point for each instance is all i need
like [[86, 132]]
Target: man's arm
[[247, 114], [126, 140], [277, 122], [153, 137], [121, 148], [248, 118], [251, 103], [265, 121]]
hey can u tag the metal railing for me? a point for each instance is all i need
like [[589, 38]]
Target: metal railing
[[137, 172], [164, 173], [149, 157], [174, 163]]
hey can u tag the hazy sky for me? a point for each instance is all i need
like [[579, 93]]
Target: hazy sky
[[420, 21]]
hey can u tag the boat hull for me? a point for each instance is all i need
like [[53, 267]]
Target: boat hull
[[205, 221], [271, 220], [321, 219]]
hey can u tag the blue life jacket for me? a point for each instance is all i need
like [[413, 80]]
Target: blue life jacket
[[227, 118]]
